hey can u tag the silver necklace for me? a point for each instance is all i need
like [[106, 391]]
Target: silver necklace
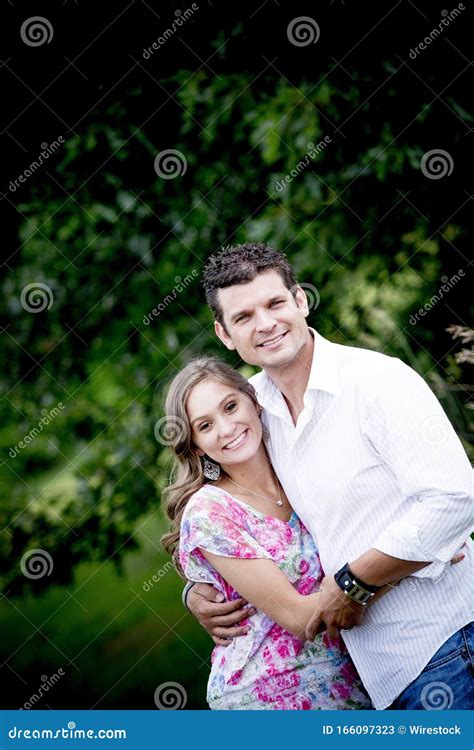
[[278, 502]]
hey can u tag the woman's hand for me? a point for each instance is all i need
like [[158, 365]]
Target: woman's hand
[[218, 617]]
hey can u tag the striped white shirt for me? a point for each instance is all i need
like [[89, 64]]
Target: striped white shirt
[[373, 461]]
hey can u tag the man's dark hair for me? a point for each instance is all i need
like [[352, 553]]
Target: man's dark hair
[[239, 265]]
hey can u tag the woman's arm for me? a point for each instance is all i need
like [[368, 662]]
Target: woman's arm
[[263, 584]]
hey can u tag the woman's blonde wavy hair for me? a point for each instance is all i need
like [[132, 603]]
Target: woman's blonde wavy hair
[[187, 475]]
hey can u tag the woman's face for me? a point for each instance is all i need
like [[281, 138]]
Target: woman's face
[[224, 421]]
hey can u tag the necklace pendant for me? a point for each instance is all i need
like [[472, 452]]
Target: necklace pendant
[[279, 502]]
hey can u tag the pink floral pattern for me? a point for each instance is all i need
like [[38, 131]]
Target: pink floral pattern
[[269, 668]]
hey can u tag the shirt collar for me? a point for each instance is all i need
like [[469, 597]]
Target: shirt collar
[[324, 374]]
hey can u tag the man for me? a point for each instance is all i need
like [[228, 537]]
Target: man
[[374, 469]]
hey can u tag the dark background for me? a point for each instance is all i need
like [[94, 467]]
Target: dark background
[[110, 238]]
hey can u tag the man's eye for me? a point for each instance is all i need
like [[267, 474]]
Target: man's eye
[[241, 318], [276, 302]]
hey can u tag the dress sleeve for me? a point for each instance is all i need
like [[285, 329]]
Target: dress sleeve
[[215, 524]]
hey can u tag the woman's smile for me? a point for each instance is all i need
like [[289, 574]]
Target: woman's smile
[[239, 440]]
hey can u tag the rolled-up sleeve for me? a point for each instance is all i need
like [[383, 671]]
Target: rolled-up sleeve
[[409, 430]]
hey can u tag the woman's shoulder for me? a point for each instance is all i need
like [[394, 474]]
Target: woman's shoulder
[[210, 501], [207, 498]]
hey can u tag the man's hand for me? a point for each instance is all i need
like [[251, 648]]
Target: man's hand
[[218, 618], [335, 611]]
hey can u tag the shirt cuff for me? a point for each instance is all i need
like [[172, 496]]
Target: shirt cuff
[[410, 549], [184, 595], [434, 571]]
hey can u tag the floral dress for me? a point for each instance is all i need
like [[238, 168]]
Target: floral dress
[[269, 668]]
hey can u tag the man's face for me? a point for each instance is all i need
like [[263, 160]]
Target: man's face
[[263, 321]]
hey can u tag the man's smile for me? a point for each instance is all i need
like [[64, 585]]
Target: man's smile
[[273, 341]]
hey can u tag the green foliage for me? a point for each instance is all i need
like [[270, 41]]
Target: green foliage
[[127, 238]]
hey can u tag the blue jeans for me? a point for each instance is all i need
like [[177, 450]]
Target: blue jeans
[[447, 681]]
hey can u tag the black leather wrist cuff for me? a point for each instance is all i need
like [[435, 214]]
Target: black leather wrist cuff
[[356, 589], [370, 587]]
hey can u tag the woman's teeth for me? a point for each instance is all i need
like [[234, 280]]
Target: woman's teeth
[[235, 443]]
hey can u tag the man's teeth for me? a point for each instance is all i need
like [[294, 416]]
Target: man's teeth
[[237, 441], [272, 341]]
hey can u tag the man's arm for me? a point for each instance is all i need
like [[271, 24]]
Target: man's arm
[[219, 618], [337, 611], [408, 429]]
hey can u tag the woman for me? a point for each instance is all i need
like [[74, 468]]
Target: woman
[[238, 532]]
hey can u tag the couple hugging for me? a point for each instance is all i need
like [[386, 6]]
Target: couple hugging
[[321, 523]]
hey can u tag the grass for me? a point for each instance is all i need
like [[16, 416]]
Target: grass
[[115, 641]]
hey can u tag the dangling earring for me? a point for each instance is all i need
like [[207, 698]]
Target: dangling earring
[[211, 470]]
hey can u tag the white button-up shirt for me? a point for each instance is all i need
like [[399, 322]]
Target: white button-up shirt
[[373, 461]]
